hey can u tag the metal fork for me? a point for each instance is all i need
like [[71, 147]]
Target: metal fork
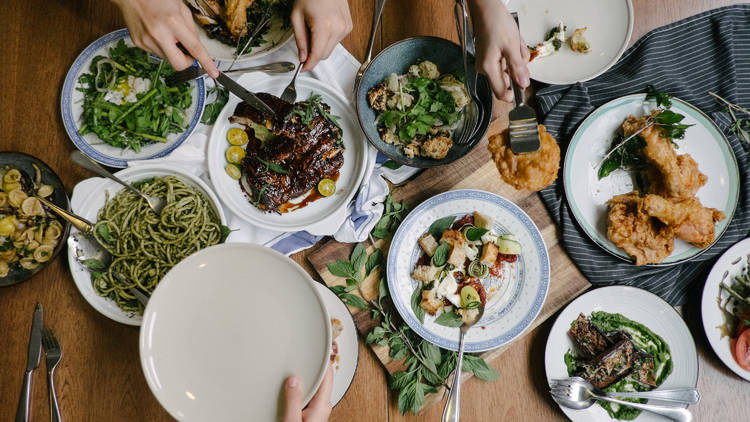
[[52, 354], [524, 128], [290, 92], [471, 78], [470, 112], [194, 72]]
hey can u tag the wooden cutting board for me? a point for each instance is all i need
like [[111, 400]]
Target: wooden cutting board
[[474, 171]]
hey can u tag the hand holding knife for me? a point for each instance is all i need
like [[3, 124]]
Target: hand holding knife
[[35, 353]]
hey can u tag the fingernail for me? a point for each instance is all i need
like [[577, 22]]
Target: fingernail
[[293, 381], [302, 55]]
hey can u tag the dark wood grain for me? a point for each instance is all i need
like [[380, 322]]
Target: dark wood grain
[[99, 377]]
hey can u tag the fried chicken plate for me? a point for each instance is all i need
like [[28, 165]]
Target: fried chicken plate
[[643, 237], [533, 171]]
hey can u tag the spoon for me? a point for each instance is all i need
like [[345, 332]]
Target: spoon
[[156, 204], [677, 395], [87, 247], [290, 92], [576, 396], [453, 404]]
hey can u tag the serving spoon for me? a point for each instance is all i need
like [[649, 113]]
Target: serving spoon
[[577, 396], [155, 203], [453, 404]]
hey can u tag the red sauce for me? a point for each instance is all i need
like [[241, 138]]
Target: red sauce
[[334, 351], [467, 219], [507, 258], [311, 197], [483, 327], [473, 282]]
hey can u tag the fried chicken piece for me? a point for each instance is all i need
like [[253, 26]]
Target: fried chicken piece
[[645, 239], [690, 220], [236, 16], [680, 177], [532, 171], [692, 178]]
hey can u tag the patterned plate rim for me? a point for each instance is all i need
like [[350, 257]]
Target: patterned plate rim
[[730, 160], [66, 108], [405, 309]]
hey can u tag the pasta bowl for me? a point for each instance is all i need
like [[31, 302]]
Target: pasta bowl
[[90, 195]]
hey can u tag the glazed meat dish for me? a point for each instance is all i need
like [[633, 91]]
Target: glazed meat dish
[[532, 171], [609, 358], [644, 226], [646, 239], [303, 148]]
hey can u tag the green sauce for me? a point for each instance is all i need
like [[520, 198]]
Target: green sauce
[[645, 340]]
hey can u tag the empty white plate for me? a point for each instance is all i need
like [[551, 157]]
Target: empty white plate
[[226, 327]]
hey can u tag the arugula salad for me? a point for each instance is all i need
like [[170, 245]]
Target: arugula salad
[[419, 110], [126, 102], [451, 270]]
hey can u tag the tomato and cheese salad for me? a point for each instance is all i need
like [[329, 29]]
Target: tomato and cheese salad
[[737, 306], [457, 254]]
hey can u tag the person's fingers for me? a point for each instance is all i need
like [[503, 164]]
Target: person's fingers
[[508, 95], [525, 54], [300, 34], [490, 66], [190, 41], [320, 405], [293, 392], [517, 65], [320, 41], [149, 44], [175, 56]]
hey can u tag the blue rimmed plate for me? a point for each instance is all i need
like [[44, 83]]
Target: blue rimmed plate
[[71, 108], [588, 196], [513, 300]]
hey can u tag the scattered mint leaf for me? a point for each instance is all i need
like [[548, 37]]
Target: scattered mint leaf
[[439, 226], [480, 368], [449, 319], [390, 164], [373, 261], [416, 298], [341, 268], [354, 301]]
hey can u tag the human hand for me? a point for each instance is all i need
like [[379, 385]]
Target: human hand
[[501, 52], [319, 408], [318, 26], [157, 26]]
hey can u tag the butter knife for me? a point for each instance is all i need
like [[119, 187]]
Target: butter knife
[[244, 94], [35, 353]]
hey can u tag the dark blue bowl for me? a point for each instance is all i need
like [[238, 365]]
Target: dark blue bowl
[[397, 58]]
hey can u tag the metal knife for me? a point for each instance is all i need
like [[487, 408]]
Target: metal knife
[[244, 94], [35, 353]]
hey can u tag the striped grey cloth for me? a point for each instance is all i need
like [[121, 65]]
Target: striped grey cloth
[[706, 52]]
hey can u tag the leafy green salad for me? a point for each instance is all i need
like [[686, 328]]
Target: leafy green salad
[[419, 110], [126, 102]]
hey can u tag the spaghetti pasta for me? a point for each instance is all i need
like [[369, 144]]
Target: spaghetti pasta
[[145, 246]]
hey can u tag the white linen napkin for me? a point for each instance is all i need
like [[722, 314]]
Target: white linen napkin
[[338, 71]]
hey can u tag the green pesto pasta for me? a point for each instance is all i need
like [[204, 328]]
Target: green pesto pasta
[[145, 246]]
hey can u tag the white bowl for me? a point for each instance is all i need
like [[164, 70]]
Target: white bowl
[[225, 328], [93, 193]]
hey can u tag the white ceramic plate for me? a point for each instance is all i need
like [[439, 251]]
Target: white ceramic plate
[[731, 263], [226, 327], [513, 300], [588, 196], [609, 23], [89, 197], [322, 217], [348, 344], [71, 107], [640, 306], [274, 39]]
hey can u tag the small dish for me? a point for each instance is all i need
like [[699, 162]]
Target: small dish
[[347, 352], [609, 31], [730, 264], [640, 306], [397, 58], [89, 197], [322, 217], [587, 195], [71, 108], [519, 294], [25, 163], [225, 328]]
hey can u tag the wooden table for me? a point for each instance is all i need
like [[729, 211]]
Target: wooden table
[[100, 379]]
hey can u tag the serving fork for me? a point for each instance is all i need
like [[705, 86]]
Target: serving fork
[[524, 128], [52, 355], [290, 92], [675, 395], [194, 72]]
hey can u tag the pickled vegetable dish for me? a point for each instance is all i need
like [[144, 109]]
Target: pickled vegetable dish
[[457, 254]]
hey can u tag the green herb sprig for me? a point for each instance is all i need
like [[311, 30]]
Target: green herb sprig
[[274, 167], [212, 110], [740, 125], [393, 213], [311, 106]]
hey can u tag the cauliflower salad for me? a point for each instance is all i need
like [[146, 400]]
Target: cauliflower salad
[[420, 109]]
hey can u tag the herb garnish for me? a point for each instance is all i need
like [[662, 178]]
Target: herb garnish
[[257, 201], [740, 125], [314, 104], [626, 152], [393, 214], [276, 168], [212, 110], [427, 366]]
